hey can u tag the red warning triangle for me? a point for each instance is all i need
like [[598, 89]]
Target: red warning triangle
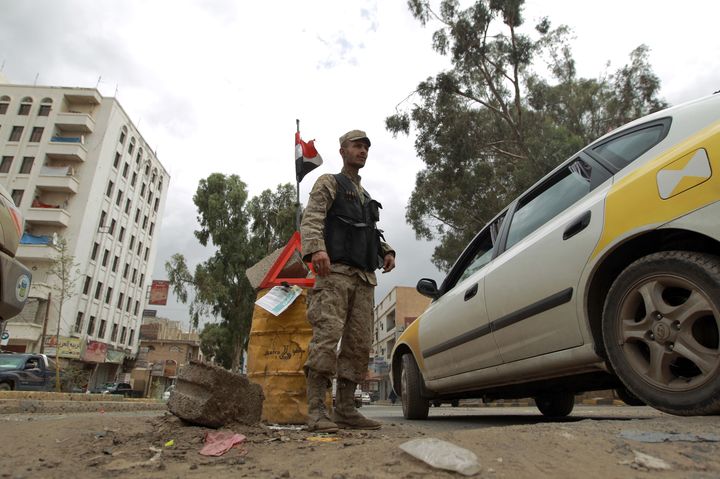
[[282, 271]]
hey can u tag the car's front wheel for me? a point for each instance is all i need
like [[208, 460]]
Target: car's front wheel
[[555, 404], [661, 329], [5, 387], [413, 404]]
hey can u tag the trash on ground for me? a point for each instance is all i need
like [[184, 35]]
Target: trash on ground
[[170, 443], [219, 442], [642, 436], [443, 455], [286, 427], [646, 461], [322, 438]]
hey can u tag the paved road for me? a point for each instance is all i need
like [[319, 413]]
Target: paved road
[[446, 418]]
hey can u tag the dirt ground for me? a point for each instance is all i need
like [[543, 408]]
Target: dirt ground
[[106, 445]]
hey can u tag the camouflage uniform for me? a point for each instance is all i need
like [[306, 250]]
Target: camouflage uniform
[[341, 304]]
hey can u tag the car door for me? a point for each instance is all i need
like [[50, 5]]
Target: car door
[[531, 289], [31, 377], [454, 332]]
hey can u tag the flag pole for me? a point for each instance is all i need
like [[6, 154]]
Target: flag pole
[[297, 190]]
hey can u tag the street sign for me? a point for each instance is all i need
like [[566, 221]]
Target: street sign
[[4, 338]]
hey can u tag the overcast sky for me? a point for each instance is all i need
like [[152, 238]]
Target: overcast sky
[[216, 85]]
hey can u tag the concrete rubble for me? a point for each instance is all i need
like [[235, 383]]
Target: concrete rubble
[[210, 396]]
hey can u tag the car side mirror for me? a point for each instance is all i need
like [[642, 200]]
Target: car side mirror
[[428, 287]]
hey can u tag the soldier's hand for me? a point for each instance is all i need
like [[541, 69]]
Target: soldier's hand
[[388, 263], [321, 263]]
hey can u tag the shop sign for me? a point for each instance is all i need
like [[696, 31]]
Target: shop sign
[[69, 347], [95, 352], [116, 357]]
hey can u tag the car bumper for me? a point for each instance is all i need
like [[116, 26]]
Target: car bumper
[[15, 281]]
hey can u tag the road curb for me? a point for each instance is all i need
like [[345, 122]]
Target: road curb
[[23, 406]]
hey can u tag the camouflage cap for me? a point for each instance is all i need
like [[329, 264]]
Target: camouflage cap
[[354, 135]]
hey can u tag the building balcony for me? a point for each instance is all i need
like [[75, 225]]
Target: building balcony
[[83, 97], [25, 332], [36, 252], [48, 216], [75, 122], [66, 148], [57, 178]]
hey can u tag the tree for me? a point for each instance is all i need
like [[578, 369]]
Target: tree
[[243, 233], [216, 345], [492, 124], [64, 268]]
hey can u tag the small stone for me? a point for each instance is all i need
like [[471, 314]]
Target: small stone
[[285, 474]]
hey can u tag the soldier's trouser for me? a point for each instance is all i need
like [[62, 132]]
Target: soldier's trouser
[[340, 307]]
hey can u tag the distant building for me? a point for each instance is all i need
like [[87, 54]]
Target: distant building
[[164, 349], [400, 307], [78, 168]]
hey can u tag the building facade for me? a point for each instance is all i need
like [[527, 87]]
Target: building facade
[[80, 171], [400, 307]]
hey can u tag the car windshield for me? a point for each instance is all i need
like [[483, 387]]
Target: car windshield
[[11, 362]]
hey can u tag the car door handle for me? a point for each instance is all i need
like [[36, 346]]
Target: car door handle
[[577, 226], [471, 292]]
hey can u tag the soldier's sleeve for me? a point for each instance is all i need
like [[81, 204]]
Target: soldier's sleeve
[[312, 227], [386, 248]]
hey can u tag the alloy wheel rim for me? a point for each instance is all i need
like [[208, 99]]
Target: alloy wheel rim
[[669, 333]]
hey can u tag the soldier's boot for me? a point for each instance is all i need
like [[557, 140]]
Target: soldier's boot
[[345, 415], [318, 420]]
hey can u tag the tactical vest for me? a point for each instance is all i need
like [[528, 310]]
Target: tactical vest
[[350, 234]]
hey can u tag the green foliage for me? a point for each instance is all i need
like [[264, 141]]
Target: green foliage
[[216, 344], [495, 122], [243, 232]]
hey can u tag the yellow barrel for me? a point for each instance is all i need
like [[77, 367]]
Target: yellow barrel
[[277, 350]]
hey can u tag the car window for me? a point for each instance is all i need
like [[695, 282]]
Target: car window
[[483, 248], [538, 207], [625, 149], [11, 362]]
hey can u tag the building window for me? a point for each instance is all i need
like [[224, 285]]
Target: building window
[[4, 102], [116, 260], [127, 306], [142, 189], [132, 242], [108, 295], [139, 250], [78, 322], [6, 163], [86, 286], [36, 134], [159, 186], [91, 326], [116, 162], [123, 334], [113, 223], [24, 109], [142, 279], [125, 270], [44, 110], [113, 335], [118, 199], [106, 255], [98, 290], [134, 276], [132, 337], [126, 167], [150, 197], [137, 215], [137, 307], [17, 196], [16, 133], [93, 255], [131, 146], [152, 228], [147, 252], [26, 165], [120, 300], [122, 137], [145, 221], [122, 233], [109, 190], [147, 169], [103, 216], [132, 181], [101, 332], [157, 203], [127, 206]]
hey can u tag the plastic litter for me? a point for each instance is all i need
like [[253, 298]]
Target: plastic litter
[[443, 455], [170, 443], [219, 442], [322, 439]]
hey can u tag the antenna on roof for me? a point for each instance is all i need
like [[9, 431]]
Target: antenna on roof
[[97, 85], [116, 90], [2, 67], [37, 75]]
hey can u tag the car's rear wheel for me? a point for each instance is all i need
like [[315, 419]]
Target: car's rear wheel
[[5, 387], [555, 404], [413, 404], [661, 329]]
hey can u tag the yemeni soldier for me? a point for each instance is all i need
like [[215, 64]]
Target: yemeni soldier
[[340, 237]]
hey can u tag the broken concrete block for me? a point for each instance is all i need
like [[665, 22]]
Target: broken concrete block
[[210, 396]]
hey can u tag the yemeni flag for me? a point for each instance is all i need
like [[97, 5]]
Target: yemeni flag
[[306, 157]]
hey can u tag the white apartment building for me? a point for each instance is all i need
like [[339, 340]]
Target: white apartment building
[[80, 170]]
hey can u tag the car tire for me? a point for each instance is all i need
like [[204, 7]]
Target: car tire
[[661, 330], [5, 387], [628, 398], [555, 404], [413, 404]]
